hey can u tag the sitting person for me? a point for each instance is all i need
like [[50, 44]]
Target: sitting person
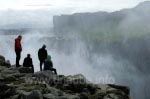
[[48, 65], [28, 62]]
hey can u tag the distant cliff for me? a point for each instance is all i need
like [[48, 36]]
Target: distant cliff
[[133, 21], [86, 22], [125, 34]]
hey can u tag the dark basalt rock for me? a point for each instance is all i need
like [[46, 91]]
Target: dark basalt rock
[[122, 88], [25, 70], [6, 91], [21, 83], [2, 58]]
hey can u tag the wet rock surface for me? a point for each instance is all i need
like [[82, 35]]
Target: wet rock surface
[[20, 83]]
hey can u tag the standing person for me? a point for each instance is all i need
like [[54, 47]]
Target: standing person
[[28, 62], [18, 49], [42, 54]]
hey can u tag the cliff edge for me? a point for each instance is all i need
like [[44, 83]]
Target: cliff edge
[[19, 83]]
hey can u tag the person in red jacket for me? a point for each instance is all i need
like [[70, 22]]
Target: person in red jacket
[[18, 49]]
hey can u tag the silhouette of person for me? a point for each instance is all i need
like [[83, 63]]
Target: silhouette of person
[[48, 64], [28, 62], [18, 49], [42, 55]]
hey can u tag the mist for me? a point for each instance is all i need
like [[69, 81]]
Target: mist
[[119, 55], [76, 59]]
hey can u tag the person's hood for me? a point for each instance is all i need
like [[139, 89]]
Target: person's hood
[[49, 57]]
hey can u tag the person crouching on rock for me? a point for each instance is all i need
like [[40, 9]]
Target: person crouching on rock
[[48, 64], [18, 49], [42, 55], [28, 62]]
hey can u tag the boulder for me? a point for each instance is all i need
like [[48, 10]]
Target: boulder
[[11, 70], [9, 78], [76, 79], [35, 94], [99, 94], [54, 91], [114, 96], [83, 95], [45, 77], [4, 63], [44, 74], [3, 68], [25, 70], [15, 97], [6, 91], [70, 96], [76, 83], [65, 96], [122, 88], [49, 96], [2, 58], [9, 74]]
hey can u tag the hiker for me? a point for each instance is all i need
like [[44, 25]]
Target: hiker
[[18, 49], [28, 62], [42, 55], [48, 64]]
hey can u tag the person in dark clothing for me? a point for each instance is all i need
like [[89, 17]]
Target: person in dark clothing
[[28, 62], [42, 55], [48, 64], [18, 49]]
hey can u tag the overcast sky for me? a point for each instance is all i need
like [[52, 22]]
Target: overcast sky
[[69, 5]]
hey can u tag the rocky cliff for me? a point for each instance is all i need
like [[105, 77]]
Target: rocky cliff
[[124, 34], [19, 83], [131, 21]]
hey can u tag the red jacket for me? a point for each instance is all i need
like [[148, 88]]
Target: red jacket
[[18, 44]]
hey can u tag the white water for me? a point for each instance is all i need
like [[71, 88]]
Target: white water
[[67, 64], [103, 69]]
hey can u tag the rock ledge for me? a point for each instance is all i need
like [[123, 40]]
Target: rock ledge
[[19, 83]]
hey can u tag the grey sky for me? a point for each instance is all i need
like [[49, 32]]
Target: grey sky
[[69, 5]]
